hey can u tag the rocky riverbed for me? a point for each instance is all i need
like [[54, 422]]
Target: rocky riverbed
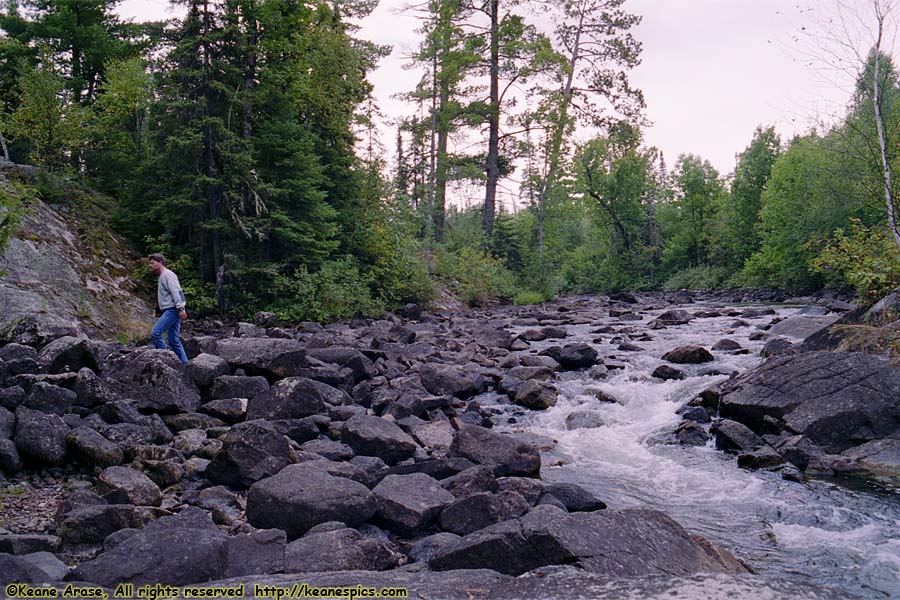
[[420, 450]]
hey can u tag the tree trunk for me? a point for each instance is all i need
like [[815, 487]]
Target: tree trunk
[[882, 141], [493, 155], [209, 168], [4, 148]]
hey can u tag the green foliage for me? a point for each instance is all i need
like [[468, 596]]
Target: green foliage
[[340, 290], [697, 278], [524, 298], [866, 258], [474, 276]]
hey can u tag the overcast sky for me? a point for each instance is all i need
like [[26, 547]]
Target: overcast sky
[[712, 70]]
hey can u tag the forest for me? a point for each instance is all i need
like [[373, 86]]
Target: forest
[[241, 140]]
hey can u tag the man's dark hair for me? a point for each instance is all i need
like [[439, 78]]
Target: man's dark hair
[[158, 258]]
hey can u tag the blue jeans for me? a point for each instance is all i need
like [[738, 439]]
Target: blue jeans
[[170, 323]]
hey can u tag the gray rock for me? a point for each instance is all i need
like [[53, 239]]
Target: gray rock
[[621, 543], [10, 459], [178, 550], [339, 550], [577, 356], [584, 419], [223, 504], [478, 511], [732, 436], [884, 311], [49, 398], [237, 386], [471, 481], [89, 447], [27, 543], [688, 355], [329, 449], [55, 569], [835, 400], [374, 436], [505, 454], [230, 410], [726, 345], [293, 398], [18, 569], [257, 553], [204, 368], [425, 548], [90, 390], [446, 379], [91, 524], [801, 327], [762, 458], [12, 397], [536, 395], [777, 347], [263, 356], [69, 353], [879, 457], [250, 451], [299, 430], [123, 485], [574, 497], [41, 436], [157, 381], [350, 358], [7, 424], [302, 496], [408, 504], [667, 373]]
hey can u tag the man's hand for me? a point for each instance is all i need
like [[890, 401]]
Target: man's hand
[[182, 314]]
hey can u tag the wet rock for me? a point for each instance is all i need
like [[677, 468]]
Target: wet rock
[[835, 400], [250, 451], [505, 454], [577, 356], [291, 398], [89, 447], [726, 345], [763, 458], [41, 436], [675, 317], [694, 413], [667, 373], [179, 550], [49, 398], [407, 504], [302, 496], [626, 297], [777, 347], [204, 368], [339, 550], [91, 524], [879, 457], [471, 481], [478, 511], [574, 497], [801, 327], [374, 436], [688, 355], [732, 436], [584, 419], [691, 433], [536, 395], [621, 543]]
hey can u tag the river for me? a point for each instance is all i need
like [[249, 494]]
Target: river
[[841, 533]]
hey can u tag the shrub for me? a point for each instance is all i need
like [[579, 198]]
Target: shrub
[[867, 259], [529, 297], [339, 290], [475, 277]]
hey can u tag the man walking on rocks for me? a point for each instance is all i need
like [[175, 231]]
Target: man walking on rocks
[[171, 302]]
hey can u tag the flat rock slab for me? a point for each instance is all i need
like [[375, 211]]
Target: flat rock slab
[[837, 400], [801, 327]]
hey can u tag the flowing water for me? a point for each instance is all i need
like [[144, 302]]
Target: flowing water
[[819, 531]]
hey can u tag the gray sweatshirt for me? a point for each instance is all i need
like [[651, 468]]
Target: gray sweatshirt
[[168, 291]]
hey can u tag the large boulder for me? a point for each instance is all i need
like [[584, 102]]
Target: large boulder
[[49, 398], [339, 550], [505, 454], [269, 357], [124, 485], [250, 451], [156, 381], [204, 368], [351, 358], [41, 436], [293, 398], [69, 353], [407, 504], [536, 395], [179, 550], [834, 399], [478, 511], [688, 355], [447, 380], [89, 447], [374, 436], [302, 496], [577, 356], [257, 553], [621, 543], [90, 524], [237, 386]]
